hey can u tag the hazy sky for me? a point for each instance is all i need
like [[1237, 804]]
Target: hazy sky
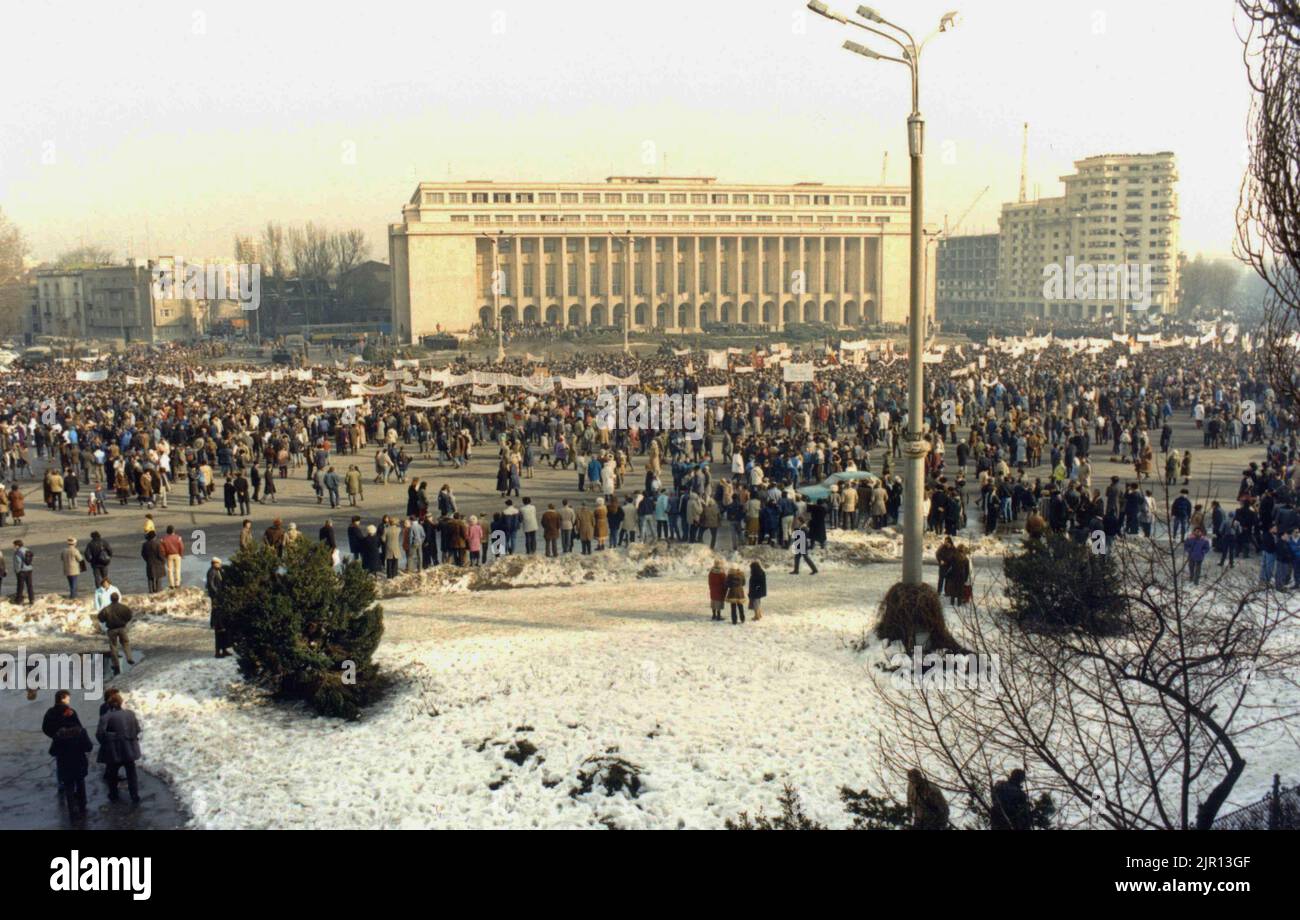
[[169, 127]]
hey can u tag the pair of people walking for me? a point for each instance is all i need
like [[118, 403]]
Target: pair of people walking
[[118, 734]]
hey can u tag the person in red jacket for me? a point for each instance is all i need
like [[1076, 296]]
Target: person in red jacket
[[717, 589], [173, 549]]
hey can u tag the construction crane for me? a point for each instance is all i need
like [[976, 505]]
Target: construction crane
[[1024, 164], [947, 231]]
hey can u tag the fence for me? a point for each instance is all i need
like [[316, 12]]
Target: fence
[[1277, 811]]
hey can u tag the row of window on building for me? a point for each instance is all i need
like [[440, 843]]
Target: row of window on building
[[820, 219], [757, 198], [596, 285]]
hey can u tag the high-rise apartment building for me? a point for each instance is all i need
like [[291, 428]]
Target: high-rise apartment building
[[1111, 241]]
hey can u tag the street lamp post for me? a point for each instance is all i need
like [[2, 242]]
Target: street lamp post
[[496, 292], [1128, 236], [627, 281], [916, 446]]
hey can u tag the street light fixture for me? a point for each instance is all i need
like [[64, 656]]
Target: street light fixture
[[916, 446], [495, 240]]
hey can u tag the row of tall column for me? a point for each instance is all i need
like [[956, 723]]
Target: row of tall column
[[801, 270]]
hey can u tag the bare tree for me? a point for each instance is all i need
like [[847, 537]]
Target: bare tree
[[1268, 216], [350, 248], [84, 257], [245, 249], [13, 247], [273, 250], [1147, 729], [13, 291]]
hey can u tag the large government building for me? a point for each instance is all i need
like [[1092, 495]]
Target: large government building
[[696, 253]]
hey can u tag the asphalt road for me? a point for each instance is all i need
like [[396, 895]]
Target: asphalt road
[[1216, 473]]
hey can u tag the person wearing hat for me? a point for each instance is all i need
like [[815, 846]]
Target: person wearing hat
[[213, 583], [73, 564], [717, 589]]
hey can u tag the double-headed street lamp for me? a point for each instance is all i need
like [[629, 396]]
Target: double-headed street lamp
[[626, 238], [495, 240], [909, 55]]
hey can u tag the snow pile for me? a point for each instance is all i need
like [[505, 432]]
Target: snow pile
[[56, 615], [844, 549]]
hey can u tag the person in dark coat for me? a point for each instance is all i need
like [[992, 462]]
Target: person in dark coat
[[54, 717], [215, 578], [118, 734], [155, 562], [99, 554], [757, 589], [372, 551], [816, 527], [69, 746], [116, 617], [356, 538], [1010, 810]]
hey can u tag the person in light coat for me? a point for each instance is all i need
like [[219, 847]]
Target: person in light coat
[[73, 562], [530, 524]]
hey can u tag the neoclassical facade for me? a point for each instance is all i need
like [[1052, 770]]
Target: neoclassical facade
[[681, 254]]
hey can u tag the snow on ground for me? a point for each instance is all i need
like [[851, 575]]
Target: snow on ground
[[505, 697], [57, 615], [665, 560], [716, 716]]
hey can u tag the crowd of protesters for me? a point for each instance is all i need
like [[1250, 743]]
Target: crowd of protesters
[[1018, 434]]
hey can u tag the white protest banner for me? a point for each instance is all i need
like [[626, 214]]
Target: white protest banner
[[135, 381], [743, 370], [717, 360], [415, 388], [681, 353], [427, 403], [92, 376], [340, 403], [485, 391], [406, 362], [492, 409], [718, 392], [168, 381], [798, 373]]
